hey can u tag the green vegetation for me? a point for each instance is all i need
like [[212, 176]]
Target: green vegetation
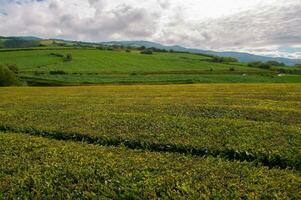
[[184, 124], [260, 65], [8, 75], [95, 66], [19, 43], [147, 51], [145, 141], [275, 66], [223, 59], [48, 169], [193, 141]]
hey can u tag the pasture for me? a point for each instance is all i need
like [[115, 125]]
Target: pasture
[[42, 66]]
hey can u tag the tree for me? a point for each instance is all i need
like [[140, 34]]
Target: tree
[[275, 63], [13, 68], [146, 51], [8, 77], [20, 43], [298, 66], [68, 57], [261, 65], [223, 59]]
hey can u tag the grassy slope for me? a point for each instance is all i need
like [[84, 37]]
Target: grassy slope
[[95, 66], [110, 61]]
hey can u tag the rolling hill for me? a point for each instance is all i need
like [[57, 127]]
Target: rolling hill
[[242, 57], [50, 66], [30, 41]]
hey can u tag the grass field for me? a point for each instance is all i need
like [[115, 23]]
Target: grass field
[[230, 141], [90, 66]]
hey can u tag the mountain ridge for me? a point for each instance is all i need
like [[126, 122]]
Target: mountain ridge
[[241, 56]]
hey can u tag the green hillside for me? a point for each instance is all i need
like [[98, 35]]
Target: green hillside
[[93, 66]]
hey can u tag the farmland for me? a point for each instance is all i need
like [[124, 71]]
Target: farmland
[[150, 100], [151, 141], [129, 125], [46, 66]]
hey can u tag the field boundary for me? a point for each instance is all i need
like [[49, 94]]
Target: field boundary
[[272, 161]]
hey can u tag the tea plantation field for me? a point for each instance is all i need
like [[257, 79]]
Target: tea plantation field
[[198, 141]]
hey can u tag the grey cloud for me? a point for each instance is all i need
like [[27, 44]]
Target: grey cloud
[[165, 4], [264, 28], [122, 22], [271, 26], [126, 21]]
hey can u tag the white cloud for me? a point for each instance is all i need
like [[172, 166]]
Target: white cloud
[[248, 25]]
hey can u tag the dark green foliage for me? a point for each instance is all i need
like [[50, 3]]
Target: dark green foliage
[[39, 73], [282, 71], [231, 69], [58, 72], [57, 55], [146, 51], [19, 43], [62, 44], [157, 50], [142, 48], [275, 63], [100, 48], [298, 66], [13, 68], [261, 65], [128, 51], [68, 57], [8, 77], [220, 59]]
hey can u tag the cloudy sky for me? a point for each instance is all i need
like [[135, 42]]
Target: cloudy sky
[[265, 27]]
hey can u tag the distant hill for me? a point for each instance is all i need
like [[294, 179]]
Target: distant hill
[[29, 42], [19, 42], [243, 57]]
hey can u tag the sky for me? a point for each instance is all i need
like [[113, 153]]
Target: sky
[[269, 27]]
